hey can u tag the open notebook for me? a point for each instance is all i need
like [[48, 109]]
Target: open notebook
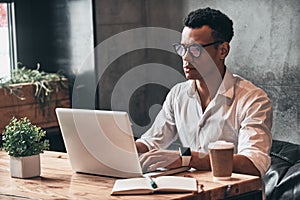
[[101, 142], [164, 184]]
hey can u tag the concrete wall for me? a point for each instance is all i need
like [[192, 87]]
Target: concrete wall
[[265, 50], [57, 34]]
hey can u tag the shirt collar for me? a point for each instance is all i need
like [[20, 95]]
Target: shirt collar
[[192, 88], [227, 86]]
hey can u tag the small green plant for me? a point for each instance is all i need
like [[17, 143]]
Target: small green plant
[[21, 138]]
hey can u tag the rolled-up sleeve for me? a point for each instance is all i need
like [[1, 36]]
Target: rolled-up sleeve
[[255, 137]]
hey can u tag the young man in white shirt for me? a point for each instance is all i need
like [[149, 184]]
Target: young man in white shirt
[[213, 104]]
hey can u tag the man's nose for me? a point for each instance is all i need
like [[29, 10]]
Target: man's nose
[[187, 57]]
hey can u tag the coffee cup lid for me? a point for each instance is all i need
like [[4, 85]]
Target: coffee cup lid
[[221, 144]]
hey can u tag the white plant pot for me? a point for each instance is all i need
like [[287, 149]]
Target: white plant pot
[[25, 167]]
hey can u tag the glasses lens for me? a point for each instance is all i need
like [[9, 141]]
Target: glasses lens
[[195, 50], [179, 48]]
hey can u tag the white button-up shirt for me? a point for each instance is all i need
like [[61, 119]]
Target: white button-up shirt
[[240, 113]]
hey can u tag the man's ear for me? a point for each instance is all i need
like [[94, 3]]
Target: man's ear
[[224, 50]]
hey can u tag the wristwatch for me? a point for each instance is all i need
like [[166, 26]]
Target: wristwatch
[[186, 155]]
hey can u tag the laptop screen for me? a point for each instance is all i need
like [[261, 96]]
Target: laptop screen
[[99, 142]]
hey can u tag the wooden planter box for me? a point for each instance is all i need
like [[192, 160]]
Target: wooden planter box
[[42, 116]]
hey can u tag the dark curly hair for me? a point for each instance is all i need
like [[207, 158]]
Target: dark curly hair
[[215, 19]]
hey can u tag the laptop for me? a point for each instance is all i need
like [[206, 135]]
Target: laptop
[[101, 142]]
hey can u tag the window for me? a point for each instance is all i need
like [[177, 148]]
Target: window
[[7, 39]]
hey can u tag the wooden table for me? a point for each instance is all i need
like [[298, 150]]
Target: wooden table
[[58, 181]]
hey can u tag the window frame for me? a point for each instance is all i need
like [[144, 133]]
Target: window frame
[[11, 25]]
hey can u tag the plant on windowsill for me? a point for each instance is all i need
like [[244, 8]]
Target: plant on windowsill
[[33, 93], [24, 142], [45, 83]]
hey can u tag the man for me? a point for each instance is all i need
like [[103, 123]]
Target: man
[[211, 105]]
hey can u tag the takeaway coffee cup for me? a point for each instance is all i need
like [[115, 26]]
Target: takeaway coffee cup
[[221, 159]]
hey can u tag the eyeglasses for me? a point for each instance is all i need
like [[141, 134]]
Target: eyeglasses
[[194, 49]]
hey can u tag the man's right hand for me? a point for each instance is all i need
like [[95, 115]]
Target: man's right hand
[[154, 159]]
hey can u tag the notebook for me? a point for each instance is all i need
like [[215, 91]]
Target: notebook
[[165, 184], [102, 143]]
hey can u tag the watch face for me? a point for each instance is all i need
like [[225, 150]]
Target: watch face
[[185, 151]]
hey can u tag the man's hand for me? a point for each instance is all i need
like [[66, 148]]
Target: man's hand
[[154, 159]]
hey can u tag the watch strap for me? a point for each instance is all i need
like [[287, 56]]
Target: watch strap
[[185, 153], [185, 161]]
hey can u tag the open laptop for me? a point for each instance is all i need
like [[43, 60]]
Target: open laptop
[[101, 142]]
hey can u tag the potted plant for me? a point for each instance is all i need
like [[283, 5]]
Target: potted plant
[[24, 142]]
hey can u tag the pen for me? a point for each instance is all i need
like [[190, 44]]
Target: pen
[[152, 182]]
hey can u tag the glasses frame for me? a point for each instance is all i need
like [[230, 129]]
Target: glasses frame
[[187, 48]]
